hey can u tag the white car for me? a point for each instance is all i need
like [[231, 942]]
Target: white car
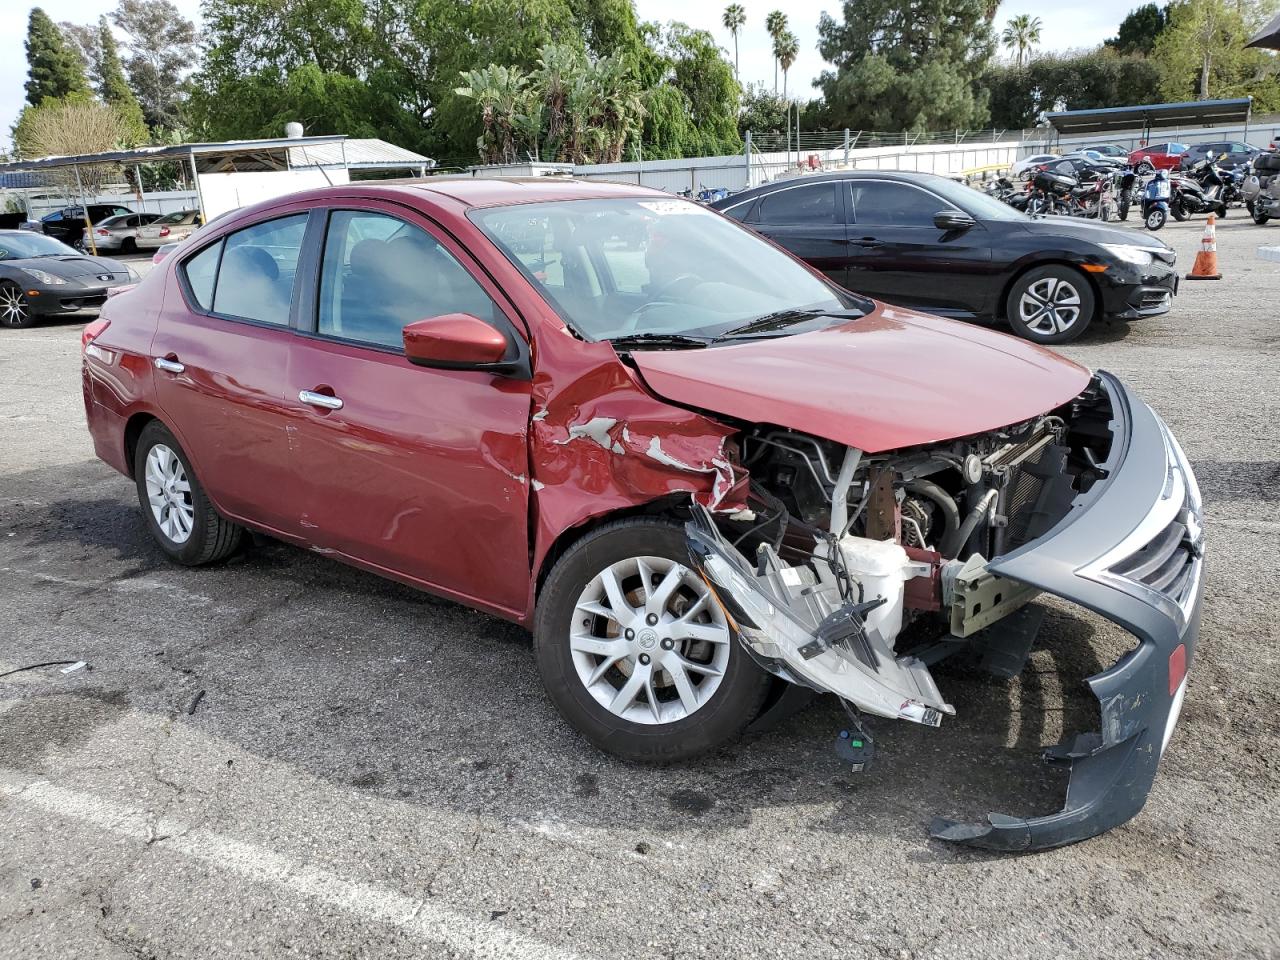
[[121, 232], [1026, 163], [171, 228]]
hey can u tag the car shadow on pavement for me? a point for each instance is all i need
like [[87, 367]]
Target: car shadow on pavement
[[380, 688]]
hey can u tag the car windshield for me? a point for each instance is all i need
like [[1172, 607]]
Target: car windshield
[[661, 269], [20, 246]]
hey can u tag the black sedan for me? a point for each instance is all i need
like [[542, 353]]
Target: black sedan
[[40, 276], [929, 243]]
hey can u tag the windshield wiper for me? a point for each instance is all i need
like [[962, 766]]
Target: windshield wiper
[[676, 340], [785, 318]]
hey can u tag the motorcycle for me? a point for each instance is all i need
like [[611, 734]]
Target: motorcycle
[[1049, 193], [1261, 189], [1155, 201], [1125, 181], [1199, 190]]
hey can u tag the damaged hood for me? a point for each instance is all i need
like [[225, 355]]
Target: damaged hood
[[892, 379]]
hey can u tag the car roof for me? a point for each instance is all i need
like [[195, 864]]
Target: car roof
[[832, 176], [503, 191]]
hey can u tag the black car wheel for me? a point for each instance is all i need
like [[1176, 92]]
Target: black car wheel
[[1145, 168], [635, 651], [179, 515], [15, 311], [128, 245], [1052, 304]]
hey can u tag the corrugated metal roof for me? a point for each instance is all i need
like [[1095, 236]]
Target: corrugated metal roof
[[358, 155], [1151, 115], [228, 148]]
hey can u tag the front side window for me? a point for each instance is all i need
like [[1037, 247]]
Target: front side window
[[255, 276], [626, 267], [894, 204], [380, 273], [813, 203]]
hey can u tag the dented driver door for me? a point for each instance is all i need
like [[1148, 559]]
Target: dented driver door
[[420, 473]]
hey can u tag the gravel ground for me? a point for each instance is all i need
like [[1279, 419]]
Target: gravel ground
[[284, 757]]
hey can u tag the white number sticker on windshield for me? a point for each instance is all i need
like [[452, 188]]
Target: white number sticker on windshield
[[665, 208]]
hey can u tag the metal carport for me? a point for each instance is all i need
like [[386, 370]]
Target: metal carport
[[1150, 116]]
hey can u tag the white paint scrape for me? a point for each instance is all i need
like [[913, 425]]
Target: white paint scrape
[[422, 919]]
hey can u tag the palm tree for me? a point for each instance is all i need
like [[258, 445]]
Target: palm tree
[[786, 48], [733, 19], [1020, 34], [776, 24], [506, 111]]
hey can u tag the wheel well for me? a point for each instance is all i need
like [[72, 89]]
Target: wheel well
[[668, 507], [1008, 287], [132, 431]]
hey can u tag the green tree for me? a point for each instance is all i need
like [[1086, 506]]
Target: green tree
[[733, 19], [1020, 35], [68, 126], [160, 50], [1201, 53], [785, 49], [763, 111], [776, 25], [1081, 81], [1139, 30], [906, 67], [55, 68]]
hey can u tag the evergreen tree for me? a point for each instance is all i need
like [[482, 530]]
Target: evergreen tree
[[114, 89], [55, 68]]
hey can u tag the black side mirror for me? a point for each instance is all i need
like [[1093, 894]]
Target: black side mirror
[[950, 220]]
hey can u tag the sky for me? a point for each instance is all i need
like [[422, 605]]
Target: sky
[[1085, 23]]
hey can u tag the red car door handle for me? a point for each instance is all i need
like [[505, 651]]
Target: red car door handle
[[169, 366], [322, 400]]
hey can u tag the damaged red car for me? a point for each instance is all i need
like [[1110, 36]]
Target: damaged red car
[[700, 473]]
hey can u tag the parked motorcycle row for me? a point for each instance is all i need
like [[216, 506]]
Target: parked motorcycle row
[[1105, 191]]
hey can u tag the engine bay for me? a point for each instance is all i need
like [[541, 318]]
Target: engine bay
[[839, 551]]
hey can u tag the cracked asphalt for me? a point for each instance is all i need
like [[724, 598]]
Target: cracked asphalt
[[283, 757]]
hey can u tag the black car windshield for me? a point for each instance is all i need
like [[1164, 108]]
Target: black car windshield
[[20, 246], [978, 205], [668, 268]]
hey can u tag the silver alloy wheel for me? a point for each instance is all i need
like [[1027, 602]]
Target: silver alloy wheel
[[648, 641], [13, 305], [1050, 306], [169, 493]]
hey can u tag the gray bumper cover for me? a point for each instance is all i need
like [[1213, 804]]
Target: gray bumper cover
[[1112, 770]]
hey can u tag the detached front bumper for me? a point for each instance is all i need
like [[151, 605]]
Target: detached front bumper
[[1131, 550]]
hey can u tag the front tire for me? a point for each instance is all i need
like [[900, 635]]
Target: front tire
[[1179, 211], [178, 514], [1156, 218], [1259, 215], [1051, 304], [636, 653], [15, 310]]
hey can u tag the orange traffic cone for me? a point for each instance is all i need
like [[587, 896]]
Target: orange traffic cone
[[1206, 265]]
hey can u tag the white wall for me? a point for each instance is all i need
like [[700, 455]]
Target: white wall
[[227, 191], [731, 171]]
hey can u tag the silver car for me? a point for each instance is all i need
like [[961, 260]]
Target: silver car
[[121, 232], [170, 228]]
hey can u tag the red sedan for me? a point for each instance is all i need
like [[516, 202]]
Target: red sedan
[[705, 476], [1157, 156]]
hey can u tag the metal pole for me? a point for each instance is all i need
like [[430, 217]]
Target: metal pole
[[846, 145], [195, 175], [142, 194], [84, 210], [747, 156]]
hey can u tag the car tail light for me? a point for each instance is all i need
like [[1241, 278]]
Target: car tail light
[[1177, 668], [90, 333], [164, 231], [103, 233]]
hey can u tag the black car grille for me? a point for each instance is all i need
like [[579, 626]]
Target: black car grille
[[1154, 298], [1166, 564]]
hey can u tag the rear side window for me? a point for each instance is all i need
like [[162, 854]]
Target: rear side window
[[201, 271], [380, 273], [255, 277], [813, 203]]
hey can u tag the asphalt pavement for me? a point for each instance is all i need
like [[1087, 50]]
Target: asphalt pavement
[[284, 757]]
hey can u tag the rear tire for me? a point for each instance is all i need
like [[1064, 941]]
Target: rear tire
[[1259, 215], [615, 690], [1050, 304], [178, 514], [1179, 211], [1145, 168]]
